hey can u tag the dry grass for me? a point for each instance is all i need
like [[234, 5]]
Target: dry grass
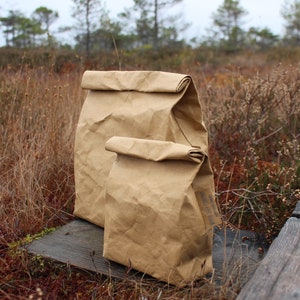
[[254, 127], [38, 117], [255, 132]]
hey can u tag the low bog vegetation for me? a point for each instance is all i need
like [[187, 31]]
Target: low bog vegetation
[[252, 111]]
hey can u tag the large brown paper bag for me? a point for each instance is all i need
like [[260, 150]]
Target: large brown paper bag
[[141, 104], [154, 221]]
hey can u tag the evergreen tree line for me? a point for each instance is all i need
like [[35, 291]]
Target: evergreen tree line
[[147, 24]]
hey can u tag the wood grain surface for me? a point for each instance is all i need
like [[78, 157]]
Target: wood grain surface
[[80, 244], [278, 275]]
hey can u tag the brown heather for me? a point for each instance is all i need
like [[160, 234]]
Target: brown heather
[[252, 111]]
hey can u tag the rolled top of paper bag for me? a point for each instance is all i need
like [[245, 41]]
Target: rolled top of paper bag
[[154, 150], [141, 81]]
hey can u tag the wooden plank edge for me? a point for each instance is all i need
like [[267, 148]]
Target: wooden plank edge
[[252, 290], [296, 212]]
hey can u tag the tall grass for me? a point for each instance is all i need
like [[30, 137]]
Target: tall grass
[[253, 121], [39, 111]]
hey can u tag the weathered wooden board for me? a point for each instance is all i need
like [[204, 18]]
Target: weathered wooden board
[[80, 244], [236, 254], [278, 275], [296, 212]]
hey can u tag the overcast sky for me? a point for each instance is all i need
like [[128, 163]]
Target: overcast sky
[[261, 13]]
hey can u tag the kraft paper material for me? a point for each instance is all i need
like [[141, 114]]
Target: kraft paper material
[[154, 121], [153, 220]]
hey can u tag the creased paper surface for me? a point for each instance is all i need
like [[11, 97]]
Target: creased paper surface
[[153, 220], [153, 118]]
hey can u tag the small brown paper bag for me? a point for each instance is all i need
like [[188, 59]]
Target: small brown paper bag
[[154, 221], [139, 104]]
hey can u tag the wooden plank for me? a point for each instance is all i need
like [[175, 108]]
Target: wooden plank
[[236, 254], [278, 275], [296, 212], [80, 244]]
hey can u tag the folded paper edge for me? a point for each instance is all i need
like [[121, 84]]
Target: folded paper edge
[[154, 150], [141, 81]]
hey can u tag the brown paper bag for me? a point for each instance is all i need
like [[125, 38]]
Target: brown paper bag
[[140, 104], [154, 221]]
